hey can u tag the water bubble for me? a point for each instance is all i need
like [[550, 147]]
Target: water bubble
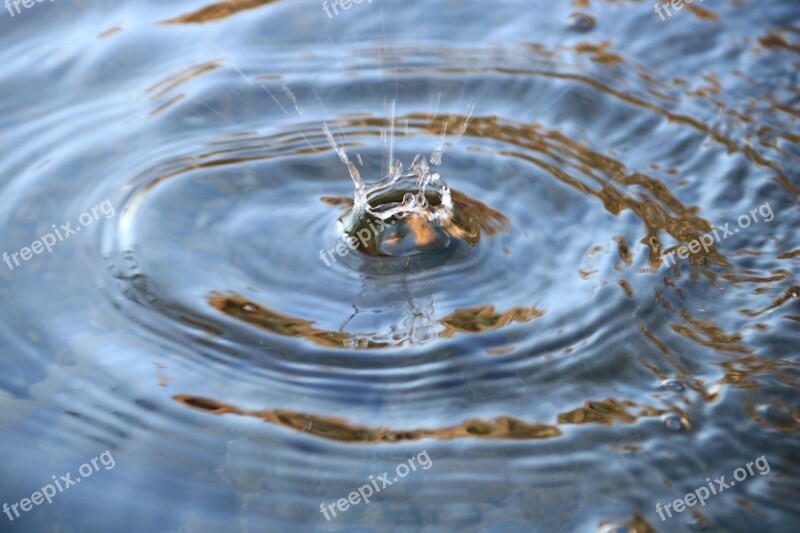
[[777, 414], [582, 23], [672, 385], [675, 422]]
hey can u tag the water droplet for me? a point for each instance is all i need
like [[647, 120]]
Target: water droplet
[[673, 385], [291, 96], [675, 422], [776, 414], [581, 22]]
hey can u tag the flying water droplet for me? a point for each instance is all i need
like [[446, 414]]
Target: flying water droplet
[[582, 23], [672, 385], [675, 422], [291, 96]]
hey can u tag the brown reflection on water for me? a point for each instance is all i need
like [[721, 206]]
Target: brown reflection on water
[[471, 217], [250, 312], [626, 288], [599, 53], [680, 371], [218, 11], [469, 320], [164, 87], [740, 371], [777, 40], [337, 200], [109, 32], [790, 294], [636, 524], [710, 335], [172, 82], [624, 250], [608, 411], [777, 275], [603, 412], [338, 429], [578, 166], [790, 424], [484, 318], [702, 13]]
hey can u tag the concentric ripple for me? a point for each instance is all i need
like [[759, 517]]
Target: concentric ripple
[[222, 338]]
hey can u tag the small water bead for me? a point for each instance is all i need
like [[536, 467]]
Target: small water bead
[[675, 422], [582, 23], [777, 414], [672, 385]]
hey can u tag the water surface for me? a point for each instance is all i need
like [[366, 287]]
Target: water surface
[[558, 374]]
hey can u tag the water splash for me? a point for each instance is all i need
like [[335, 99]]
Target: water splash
[[438, 152], [425, 194], [292, 97], [420, 184]]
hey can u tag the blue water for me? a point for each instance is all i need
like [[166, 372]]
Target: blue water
[[548, 370]]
